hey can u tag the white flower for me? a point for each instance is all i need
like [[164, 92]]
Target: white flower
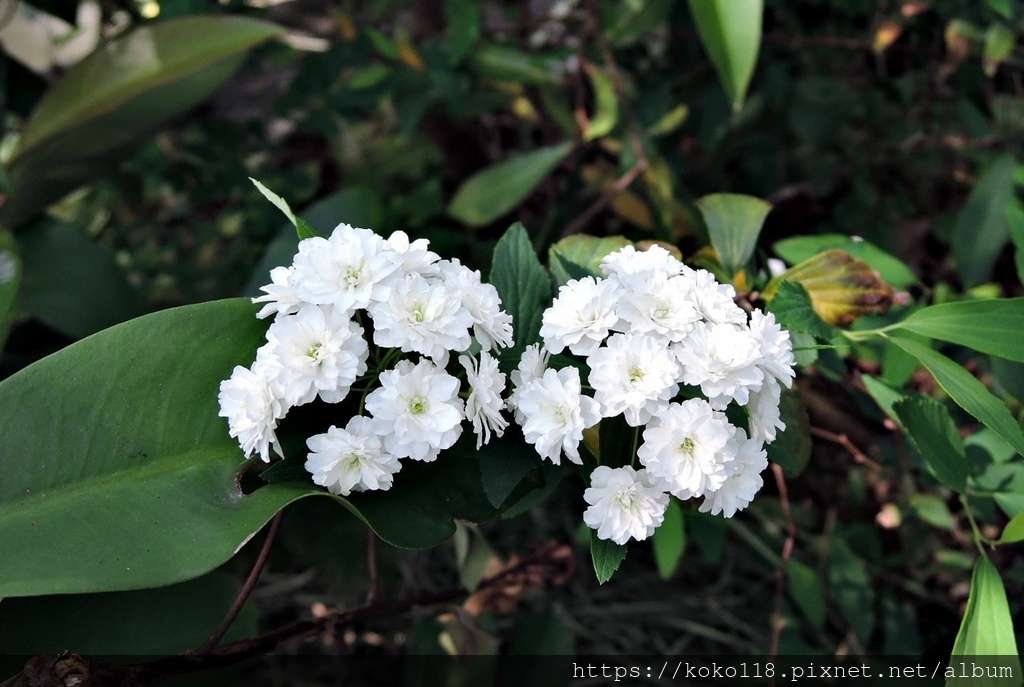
[[424, 317], [743, 481], [348, 270], [252, 403], [531, 367], [636, 375], [492, 326], [765, 416], [484, 405], [715, 302], [580, 316], [8, 266], [723, 360], [776, 349], [417, 410], [556, 413], [624, 504], [351, 459], [319, 350], [653, 261], [687, 448], [279, 295], [657, 305], [414, 256]]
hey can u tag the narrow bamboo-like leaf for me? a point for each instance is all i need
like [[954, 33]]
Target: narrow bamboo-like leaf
[[734, 222], [794, 310], [990, 326], [731, 32], [496, 190], [1014, 530], [606, 105], [805, 588], [884, 395], [934, 432], [523, 284], [302, 227], [669, 541], [503, 63], [981, 228], [607, 556], [987, 628], [1015, 220], [967, 392]]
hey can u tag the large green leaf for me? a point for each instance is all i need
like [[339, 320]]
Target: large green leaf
[[1015, 220], [607, 556], [523, 284], [583, 250], [967, 392], [122, 92], [494, 191], [934, 432], [797, 249], [981, 228], [669, 540], [987, 628], [734, 222], [990, 326], [731, 32]]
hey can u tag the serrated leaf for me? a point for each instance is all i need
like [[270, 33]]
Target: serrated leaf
[[797, 249], [981, 229], [606, 104], [794, 310], [498, 189], [792, 446], [607, 556], [523, 284], [967, 392], [990, 326], [302, 227], [669, 540], [987, 627], [841, 287], [934, 432], [731, 32], [734, 222], [806, 590], [1014, 530]]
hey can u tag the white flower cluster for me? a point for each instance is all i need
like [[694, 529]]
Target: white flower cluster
[[649, 327], [317, 348]]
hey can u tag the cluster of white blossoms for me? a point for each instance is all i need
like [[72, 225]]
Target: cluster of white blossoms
[[669, 349], [415, 304]]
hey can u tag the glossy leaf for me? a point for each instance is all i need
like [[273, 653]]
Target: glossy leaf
[[987, 628], [967, 392], [1014, 530], [498, 189], [607, 556], [794, 310], [734, 222], [981, 228], [606, 105], [797, 249], [669, 540], [523, 284], [302, 227], [934, 432], [107, 102], [841, 287], [731, 32], [582, 250], [990, 326]]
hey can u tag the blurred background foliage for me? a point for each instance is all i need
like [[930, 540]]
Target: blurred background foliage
[[899, 122]]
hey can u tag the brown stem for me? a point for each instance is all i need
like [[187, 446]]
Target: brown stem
[[844, 441], [787, 551], [250, 584]]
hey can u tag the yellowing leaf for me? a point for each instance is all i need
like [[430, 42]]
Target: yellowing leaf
[[407, 53], [887, 34]]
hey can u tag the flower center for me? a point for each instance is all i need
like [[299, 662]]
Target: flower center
[[418, 405], [635, 374], [353, 275], [624, 499], [417, 315], [316, 352], [687, 446]]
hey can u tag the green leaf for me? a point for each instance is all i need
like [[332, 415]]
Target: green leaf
[[981, 229], [463, 27], [71, 283], [669, 540], [472, 554], [731, 33], [792, 446], [606, 104], [933, 510], [794, 310], [967, 392], [630, 21], [1014, 530], [616, 441], [999, 42], [607, 556], [10, 278], [504, 463], [1004, 8], [884, 395], [990, 326], [583, 250], [987, 627], [161, 621], [100, 108], [800, 248], [934, 432], [1015, 220], [805, 588], [502, 63], [302, 227], [850, 586], [734, 222], [523, 284], [498, 189]]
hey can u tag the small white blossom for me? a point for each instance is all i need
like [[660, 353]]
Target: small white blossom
[[421, 316], [765, 416], [653, 261], [531, 366], [687, 448], [556, 413], [351, 459], [634, 374], [581, 316], [723, 360], [624, 504], [252, 403], [776, 349], [319, 351], [715, 302], [657, 305], [492, 326], [484, 405], [743, 481], [414, 256], [279, 294], [417, 410], [349, 270]]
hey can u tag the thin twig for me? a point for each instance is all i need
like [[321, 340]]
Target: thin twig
[[250, 584], [844, 441], [787, 551]]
